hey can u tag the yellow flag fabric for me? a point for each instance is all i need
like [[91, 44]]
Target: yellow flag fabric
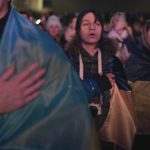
[[141, 99], [119, 127]]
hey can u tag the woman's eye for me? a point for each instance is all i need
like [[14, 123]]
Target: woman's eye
[[97, 23]]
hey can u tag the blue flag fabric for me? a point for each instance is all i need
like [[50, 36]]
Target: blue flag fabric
[[59, 119]]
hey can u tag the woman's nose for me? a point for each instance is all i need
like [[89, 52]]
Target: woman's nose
[[92, 26]]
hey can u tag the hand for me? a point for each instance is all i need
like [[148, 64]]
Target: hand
[[111, 77], [124, 34], [20, 90]]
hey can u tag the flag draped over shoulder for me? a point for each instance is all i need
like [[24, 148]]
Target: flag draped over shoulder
[[141, 95], [59, 118], [138, 73], [119, 127]]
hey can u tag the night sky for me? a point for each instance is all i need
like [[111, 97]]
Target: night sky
[[102, 5]]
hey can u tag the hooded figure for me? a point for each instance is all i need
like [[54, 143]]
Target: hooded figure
[[87, 66], [103, 77]]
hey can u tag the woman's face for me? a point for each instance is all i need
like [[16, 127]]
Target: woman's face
[[90, 29], [120, 26], [70, 31], [54, 31]]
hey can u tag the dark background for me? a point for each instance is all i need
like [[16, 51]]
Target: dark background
[[62, 6], [102, 5]]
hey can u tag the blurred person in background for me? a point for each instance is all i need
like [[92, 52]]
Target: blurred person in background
[[28, 15], [69, 24], [137, 27], [54, 27], [119, 32]]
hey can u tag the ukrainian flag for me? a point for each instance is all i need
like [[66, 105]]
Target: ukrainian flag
[[119, 127], [59, 119], [138, 73]]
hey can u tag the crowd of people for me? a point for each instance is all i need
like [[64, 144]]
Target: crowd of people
[[76, 82]]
